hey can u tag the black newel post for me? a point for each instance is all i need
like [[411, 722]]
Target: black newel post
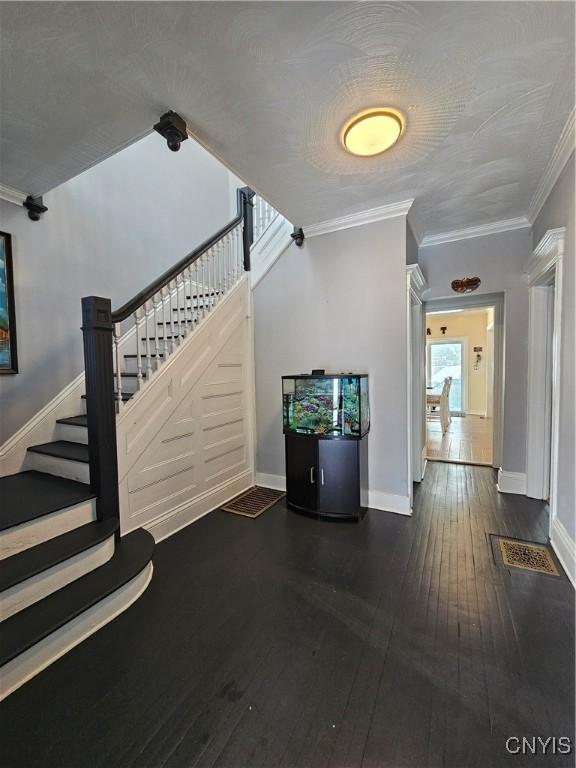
[[97, 328], [248, 227]]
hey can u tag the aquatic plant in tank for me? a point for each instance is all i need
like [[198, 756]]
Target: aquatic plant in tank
[[329, 405]]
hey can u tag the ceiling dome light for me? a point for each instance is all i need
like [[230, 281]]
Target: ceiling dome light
[[373, 131]]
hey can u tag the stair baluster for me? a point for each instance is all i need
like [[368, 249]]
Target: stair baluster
[[180, 314], [117, 335], [164, 323], [137, 321], [156, 327], [174, 340], [148, 311]]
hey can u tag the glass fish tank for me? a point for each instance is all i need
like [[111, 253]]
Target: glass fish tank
[[328, 405]]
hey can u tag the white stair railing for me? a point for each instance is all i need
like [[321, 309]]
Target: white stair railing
[[161, 323], [264, 215], [156, 321], [154, 324]]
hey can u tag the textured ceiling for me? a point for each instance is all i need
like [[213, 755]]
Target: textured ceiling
[[486, 88]]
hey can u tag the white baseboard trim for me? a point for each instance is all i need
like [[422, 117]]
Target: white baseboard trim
[[276, 482], [424, 467], [28, 664], [476, 413], [388, 502], [565, 549], [511, 482], [184, 515], [40, 428]]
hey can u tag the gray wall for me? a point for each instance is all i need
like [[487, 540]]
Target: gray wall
[[558, 211], [108, 232], [499, 261], [338, 303], [411, 246]]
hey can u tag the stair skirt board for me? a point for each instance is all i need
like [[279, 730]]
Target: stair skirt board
[[30, 591], [28, 664], [21, 537], [186, 514], [56, 465], [40, 428], [71, 434]]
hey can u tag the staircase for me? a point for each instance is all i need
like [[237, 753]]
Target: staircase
[[70, 565]]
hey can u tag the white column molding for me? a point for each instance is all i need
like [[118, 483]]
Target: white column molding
[[415, 401], [545, 269]]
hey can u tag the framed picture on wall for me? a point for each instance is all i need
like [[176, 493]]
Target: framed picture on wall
[[8, 359]]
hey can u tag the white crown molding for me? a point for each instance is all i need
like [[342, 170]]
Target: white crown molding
[[12, 195], [416, 279], [359, 219], [556, 165], [552, 241], [548, 252], [481, 230]]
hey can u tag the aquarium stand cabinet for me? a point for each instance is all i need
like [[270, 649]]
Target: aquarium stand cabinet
[[327, 477]]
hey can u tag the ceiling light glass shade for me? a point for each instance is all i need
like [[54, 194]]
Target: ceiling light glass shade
[[373, 131]]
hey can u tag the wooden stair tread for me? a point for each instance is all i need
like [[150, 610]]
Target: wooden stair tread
[[29, 495], [74, 421], [63, 449], [28, 627], [32, 561]]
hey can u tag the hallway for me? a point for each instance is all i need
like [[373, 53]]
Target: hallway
[[468, 440], [284, 641]]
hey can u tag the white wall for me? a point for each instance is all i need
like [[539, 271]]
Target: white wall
[[338, 303], [499, 261], [558, 211], [108, 232]]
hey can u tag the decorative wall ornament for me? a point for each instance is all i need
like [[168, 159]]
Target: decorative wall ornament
[[298, 236], [173, 128], [8, 360], [35, 207], [465, 284]]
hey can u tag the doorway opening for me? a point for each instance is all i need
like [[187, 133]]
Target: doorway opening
[[460, 384]]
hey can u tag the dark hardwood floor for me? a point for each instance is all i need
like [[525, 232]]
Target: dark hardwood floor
[[286, 641]]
